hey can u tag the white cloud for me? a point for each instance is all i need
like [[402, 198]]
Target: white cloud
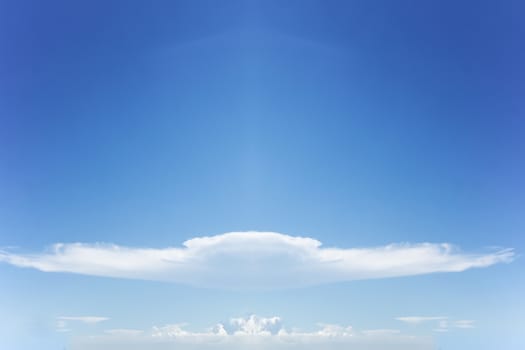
[[256, 326], [61, 326], [83, 319], [420, 319], [63, 321], [443, 324], [256, 333], [124, 332], [244, 260], [381, 331]]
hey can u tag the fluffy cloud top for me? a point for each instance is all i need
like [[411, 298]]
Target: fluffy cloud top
[[253, 332], [245, 260]]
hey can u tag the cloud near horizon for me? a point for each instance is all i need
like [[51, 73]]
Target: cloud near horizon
[[254, 260], [253, 332]]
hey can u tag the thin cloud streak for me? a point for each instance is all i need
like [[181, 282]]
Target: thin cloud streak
[[420, 319], [84, 319]]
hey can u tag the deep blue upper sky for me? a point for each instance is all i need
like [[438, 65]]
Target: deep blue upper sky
[[375, 119], [358, 123]]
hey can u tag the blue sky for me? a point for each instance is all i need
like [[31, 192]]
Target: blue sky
[[358, 124]]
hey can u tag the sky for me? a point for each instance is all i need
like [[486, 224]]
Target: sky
[[262, 174]]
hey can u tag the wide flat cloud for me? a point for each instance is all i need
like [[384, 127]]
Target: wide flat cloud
[[252, 332], [250, 260]]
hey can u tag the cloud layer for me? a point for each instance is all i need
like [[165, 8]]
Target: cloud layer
[[254, 260], [255, 333]]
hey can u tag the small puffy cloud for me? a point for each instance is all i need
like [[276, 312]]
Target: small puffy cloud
[[256, 333], [255, 325], [255, 260]]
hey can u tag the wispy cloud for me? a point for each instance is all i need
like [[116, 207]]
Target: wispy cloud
[[443, 324], [380, 331], [420, 319], [124, 332], [240, 260], [254, 332], [464, 324], [62, 324], [84, 319]]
